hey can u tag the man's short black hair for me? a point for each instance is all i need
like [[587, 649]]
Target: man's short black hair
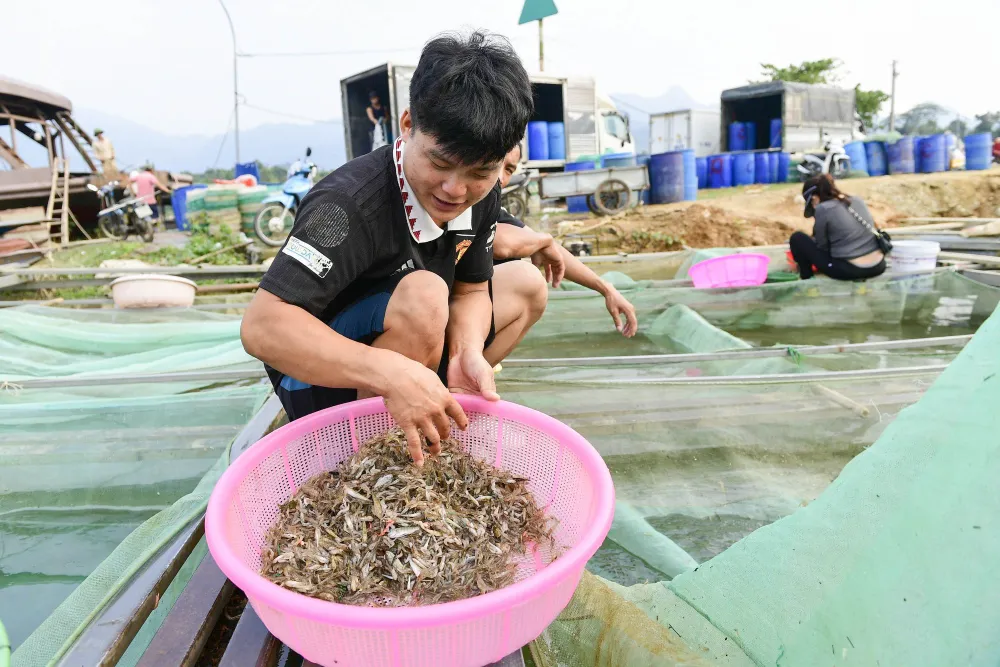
[[472, 94]]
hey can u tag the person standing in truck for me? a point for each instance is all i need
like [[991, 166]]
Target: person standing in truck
[[377, 115], [382, 287]]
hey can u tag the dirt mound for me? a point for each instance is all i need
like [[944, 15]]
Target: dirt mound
[[672, 227]]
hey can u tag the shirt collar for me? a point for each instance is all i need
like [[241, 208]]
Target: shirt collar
[[422, 228]]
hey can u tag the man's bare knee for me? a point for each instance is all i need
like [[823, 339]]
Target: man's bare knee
[[531, 286], [419, 309]]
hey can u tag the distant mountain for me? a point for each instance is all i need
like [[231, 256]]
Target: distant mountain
[[278, 143], [638, 108]]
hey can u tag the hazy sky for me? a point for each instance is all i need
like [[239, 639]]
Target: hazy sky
[[168, 65]]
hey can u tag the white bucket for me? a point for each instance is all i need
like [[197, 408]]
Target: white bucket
[[153, 290], [914, 256]]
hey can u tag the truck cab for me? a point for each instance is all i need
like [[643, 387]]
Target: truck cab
[[614, 133]]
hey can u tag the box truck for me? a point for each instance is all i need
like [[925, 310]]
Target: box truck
[[681, 130], [593, 125], [806, 112]]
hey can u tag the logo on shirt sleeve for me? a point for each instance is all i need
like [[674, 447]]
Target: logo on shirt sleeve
[[308, 256], [460, 249]]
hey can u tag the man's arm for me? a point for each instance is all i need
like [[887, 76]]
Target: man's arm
[[514, 242], [469, 317], [618, 306], [371, 115], [157, 183]]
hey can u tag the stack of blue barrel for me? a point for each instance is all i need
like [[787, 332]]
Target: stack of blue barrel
[[901, 157], [546, 141]]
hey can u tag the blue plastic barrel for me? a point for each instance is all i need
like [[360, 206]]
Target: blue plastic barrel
[[578, 204], [743, 169], [875, 154], [701, 169], [690, 175], [666, 177], [932, 154], [244, 168], [178, 202], [751, 132], [557, 141], [784, 160], [737, 137], [720, 171], [761, 168], [617, 160], [859, 158], [772, 166], [901, 158], [538, 140], [978, 151], [643, 161], [775, 133]]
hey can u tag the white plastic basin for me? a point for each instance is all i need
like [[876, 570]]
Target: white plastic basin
[[151, 290]]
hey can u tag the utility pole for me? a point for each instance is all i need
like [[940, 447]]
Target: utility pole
[[236, 92], [892, 99], [541, 48], [537, 10]]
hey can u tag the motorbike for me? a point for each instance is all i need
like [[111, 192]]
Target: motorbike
[[118, 219], [834, 161], [514, 197], [274, 221]]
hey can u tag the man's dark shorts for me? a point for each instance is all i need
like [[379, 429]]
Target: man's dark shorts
[[362, 321]]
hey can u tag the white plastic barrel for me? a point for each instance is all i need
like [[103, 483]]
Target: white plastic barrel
[[914, 256]]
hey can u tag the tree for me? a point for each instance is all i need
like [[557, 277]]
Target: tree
[[988, 122], [958, 127], [922, 119], [868, 103], [811, 71]]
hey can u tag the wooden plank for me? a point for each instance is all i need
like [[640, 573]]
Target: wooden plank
[[987, 260], [108, 636], [251, 645], [966, 221], [183, 633]]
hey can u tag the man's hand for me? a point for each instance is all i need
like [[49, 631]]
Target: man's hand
[[420, 404], [551, 259], [622, 312], [470, 373]]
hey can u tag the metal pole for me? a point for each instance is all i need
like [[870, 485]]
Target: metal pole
[[892, 99], [541, 48], [236, 94]]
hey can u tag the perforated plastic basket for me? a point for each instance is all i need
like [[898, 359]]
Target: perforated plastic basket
[[567, 476], [739, 270]]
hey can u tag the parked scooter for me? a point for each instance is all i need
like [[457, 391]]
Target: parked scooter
[[277, 214], [118, 219], [834, 160], [514, 197]]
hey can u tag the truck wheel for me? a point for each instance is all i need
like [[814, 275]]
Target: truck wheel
[[269, 225], [612, 196]]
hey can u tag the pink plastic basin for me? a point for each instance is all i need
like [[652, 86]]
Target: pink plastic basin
[[567, 476], [741, 270]]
